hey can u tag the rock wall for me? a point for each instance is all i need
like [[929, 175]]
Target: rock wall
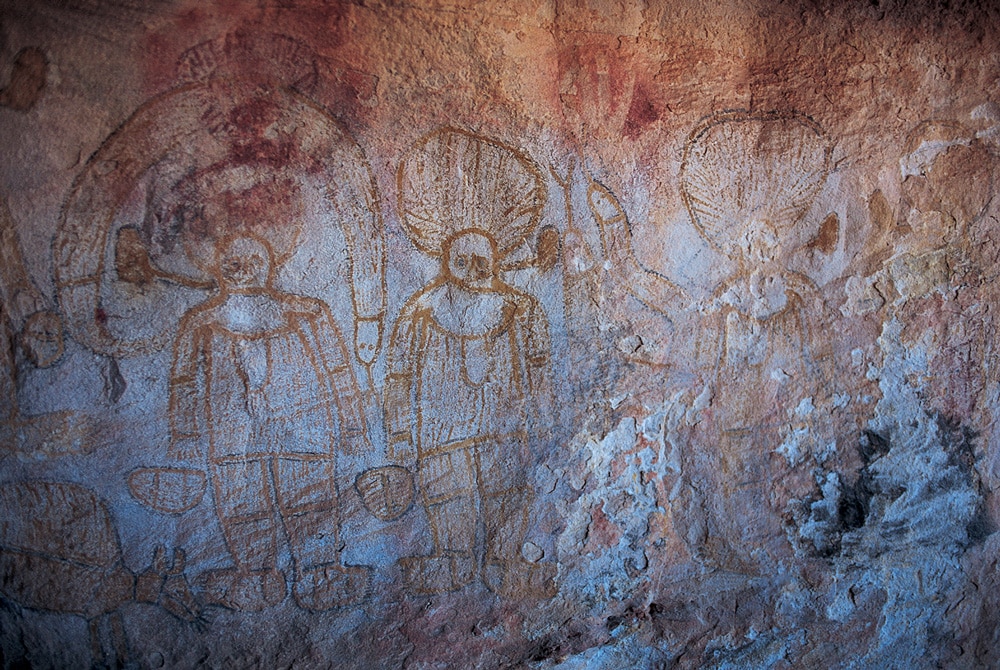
[[532, 333]]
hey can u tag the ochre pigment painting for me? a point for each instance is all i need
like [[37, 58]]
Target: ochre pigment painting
[[566, 334]]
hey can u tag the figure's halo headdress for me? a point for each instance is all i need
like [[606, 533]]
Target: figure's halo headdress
[[740, 167], [452, 180], [219, 134]]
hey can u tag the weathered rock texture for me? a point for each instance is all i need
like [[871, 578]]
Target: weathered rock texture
[[531, 333]]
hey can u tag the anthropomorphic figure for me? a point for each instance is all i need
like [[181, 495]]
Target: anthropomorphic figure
[[262, 385], [232, 106], [26, 321], [942, 262], [468, 367], [22, 310], [762, 432], [943, 274], [748, 179]]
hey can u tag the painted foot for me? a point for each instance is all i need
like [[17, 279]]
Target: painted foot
[[438, 573], [334, 585], [520, 579], [243, 591]]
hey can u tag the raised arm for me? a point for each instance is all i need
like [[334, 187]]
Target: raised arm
[[537, 346], [356, 203], [648, 287], [346, 395], [188, 419], [399, 402], [20, 299]]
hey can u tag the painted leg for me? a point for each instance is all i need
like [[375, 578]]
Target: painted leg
[[307, 502], [506, 502], [448, 488], [118, 640], [243, 504], [96, 647], [8, 388], [506, 572]]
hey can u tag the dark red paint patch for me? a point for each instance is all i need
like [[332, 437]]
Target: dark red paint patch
[[641, 113], [259, 211]]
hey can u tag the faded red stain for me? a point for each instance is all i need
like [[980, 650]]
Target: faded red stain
[[160, 49], [259, 211], [247, 125], [190, 19], [158, 62], [603, 532], [320, 23], [263, 152], [262, 201], [595, 81], [250, 118]]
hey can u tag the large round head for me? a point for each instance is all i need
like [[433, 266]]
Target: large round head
[[747, 177], [470, 259]]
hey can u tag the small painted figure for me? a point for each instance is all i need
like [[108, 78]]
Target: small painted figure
[[60, 552], [27, 323]]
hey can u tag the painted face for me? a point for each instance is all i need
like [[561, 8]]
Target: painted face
[[244, 263], [42, 338], [759, 242], [471, 260]]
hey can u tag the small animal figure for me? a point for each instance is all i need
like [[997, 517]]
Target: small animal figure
[[59, 552]]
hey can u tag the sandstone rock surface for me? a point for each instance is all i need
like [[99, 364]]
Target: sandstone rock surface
[[520, 334]]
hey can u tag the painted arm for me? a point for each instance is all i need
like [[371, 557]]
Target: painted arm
[[355, 200], [20, 297], [188, 400], [533, 327], [648, 287], [400, 411], [346, 396], [538, 348], [40, 328]]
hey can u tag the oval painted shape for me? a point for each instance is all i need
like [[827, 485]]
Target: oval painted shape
[[169, 490], [387, 492]]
